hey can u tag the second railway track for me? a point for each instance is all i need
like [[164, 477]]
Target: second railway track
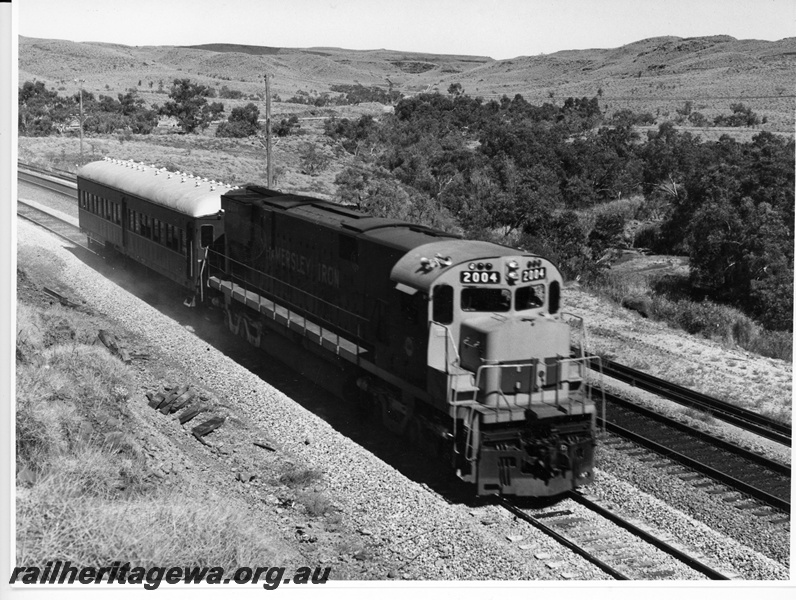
[[63, 226], [740, 417], [735, 467]]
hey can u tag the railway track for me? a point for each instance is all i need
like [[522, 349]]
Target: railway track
[[62, 225], [622, 549], [61, 182], [731, 467], [740, 417]]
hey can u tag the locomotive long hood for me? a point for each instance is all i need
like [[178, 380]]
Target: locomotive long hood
[[421, 266]]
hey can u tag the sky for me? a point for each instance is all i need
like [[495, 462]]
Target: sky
[[499, 29]]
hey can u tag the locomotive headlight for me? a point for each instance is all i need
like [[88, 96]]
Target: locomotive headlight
[[512, 275]]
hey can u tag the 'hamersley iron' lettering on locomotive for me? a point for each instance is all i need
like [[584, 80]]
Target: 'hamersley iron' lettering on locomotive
[[303, 265]]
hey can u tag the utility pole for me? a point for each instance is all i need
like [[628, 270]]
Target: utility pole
[[81, 82], [269, 167]]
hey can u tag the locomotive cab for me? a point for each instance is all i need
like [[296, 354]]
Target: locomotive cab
[[499, 355]]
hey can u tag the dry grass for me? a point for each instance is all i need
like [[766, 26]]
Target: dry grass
[[85, 490], [73, 513]]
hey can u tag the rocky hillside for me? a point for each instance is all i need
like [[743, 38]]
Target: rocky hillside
[[656, 75]]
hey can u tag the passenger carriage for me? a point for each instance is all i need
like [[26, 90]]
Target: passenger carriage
[[162, 220]]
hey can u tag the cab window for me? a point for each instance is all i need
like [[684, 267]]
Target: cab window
[[486, 300], [443, 304], [555, 297], [531, 296]]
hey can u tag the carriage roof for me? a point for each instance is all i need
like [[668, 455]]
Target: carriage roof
[[181, 192]]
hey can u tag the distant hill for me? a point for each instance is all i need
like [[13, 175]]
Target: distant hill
[[656, 75]]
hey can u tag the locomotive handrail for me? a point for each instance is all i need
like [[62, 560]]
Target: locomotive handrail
[[301, 311], [450, 347], [582, 323], [587, 361]]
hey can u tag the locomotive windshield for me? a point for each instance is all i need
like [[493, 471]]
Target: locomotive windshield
[[486, 300], [531, 296]]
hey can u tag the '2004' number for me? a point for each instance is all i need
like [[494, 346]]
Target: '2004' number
[[480, 277], [533, 274]]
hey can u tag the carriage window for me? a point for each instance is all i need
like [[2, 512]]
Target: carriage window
[[531, 296], [443, 304], [486, 299]]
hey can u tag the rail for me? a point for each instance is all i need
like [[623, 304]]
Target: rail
[[733, 466], [741, 417]]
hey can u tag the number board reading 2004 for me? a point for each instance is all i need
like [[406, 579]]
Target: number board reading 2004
[[479, 277], [533, 274]]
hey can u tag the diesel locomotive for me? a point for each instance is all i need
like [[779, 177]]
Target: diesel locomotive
[[460, 345]]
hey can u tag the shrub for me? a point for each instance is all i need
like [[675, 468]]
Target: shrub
[[774, 344], [649, 236]]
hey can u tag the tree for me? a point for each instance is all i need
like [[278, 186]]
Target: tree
[[561, 238], [189, 105], [313, 161], [242, 122], [286, 126], [41, 110], [455, 89]]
